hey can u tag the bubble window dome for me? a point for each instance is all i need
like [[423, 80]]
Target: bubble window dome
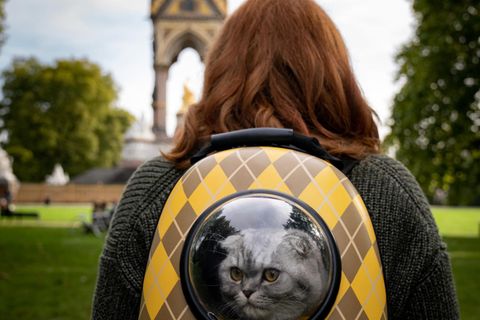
[[260, 255]]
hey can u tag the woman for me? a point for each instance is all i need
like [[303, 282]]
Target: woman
[[282, 63]]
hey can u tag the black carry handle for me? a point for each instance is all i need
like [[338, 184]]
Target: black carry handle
[[266, 137]]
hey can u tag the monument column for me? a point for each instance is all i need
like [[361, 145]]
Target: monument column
[[179, 24], [160, 102]]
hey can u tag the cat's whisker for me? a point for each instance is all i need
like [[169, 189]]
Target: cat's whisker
[[217, 252], [216, 236], [228, 308]]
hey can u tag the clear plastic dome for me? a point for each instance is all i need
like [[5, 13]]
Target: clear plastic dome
[[260, 255]]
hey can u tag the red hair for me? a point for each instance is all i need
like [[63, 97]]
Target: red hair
[[283, 64]]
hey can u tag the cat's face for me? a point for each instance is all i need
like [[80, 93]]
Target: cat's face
[[271, 274]]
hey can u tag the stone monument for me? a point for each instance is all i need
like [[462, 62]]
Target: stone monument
[[179, 24], [58, 177], [8, 182]]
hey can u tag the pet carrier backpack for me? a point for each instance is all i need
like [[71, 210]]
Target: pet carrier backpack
[[264, 225]]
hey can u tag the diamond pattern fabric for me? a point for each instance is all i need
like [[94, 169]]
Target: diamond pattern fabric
[[362, 291]]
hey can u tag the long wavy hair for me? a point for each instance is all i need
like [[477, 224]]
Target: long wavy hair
[[282, 64]]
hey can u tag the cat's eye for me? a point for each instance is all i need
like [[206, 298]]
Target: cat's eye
[[236, 274], [271, 275]]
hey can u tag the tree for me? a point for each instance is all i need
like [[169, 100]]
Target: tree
[[61, 113], [435, 124], [2, 22]]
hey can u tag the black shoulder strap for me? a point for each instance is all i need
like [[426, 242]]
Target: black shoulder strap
[[267, 137], [348, 165]]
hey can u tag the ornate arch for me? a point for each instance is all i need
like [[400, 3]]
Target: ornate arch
[[183, 40], [178, 25]]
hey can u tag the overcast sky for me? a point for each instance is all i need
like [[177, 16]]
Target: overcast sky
[[117, 34]]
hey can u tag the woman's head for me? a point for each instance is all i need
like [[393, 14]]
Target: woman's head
[[280, 63]]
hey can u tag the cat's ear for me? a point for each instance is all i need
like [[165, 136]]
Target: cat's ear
[[300, 242], [231, 242]]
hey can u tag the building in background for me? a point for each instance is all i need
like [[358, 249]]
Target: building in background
[[58, 176], [177, 25], [8, 181]]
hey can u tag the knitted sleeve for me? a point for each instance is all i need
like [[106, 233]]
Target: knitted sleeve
[[124, 257], [416, 267], [432, 296]]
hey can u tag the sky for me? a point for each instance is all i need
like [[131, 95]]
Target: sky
[[116, 34]]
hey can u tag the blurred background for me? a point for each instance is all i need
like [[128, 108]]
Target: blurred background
[[91, 89]]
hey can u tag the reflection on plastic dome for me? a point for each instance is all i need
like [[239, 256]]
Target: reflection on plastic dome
[[259, 256]]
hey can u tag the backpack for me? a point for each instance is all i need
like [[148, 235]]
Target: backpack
[[264, 225]]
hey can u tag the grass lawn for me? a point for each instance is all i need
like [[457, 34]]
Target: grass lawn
[[49, 273], [465, 224], [465, 254], [57, 215], [460, 229], [60, 212]]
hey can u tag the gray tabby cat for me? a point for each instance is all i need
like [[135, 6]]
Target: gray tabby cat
[[272, 274]]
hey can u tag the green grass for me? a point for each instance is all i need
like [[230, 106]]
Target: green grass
[[458, 222], [460, 229], [49, 273], [58, 212], [465, 255]]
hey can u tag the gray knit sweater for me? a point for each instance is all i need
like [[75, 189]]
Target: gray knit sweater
[[416, 266]]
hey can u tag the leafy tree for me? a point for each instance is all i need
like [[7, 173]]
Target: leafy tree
[[435, 125], [2, 22], [61, 113]]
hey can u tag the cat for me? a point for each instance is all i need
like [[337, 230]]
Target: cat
[[271, 274]]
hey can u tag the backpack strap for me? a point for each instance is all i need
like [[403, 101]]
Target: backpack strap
[[277, 137], [348, 165]]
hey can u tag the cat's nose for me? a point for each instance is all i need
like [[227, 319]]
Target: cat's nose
[[247, 293]]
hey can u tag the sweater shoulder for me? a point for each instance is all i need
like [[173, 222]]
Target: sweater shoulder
[[399, 210], [136, 217], [407, 235], [383, 174], [151, 175], [149, 183]]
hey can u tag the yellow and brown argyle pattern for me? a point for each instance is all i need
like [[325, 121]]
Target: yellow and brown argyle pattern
[[362, 290]]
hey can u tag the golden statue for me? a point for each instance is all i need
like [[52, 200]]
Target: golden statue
[[188, 99]]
